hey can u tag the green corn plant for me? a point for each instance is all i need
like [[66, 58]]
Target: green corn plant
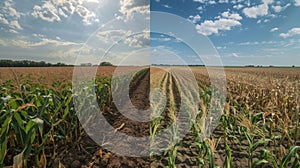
[[253, 145], [201, 153], [172, 156], [228, 157], [209, 146], [292, 152], [266, 156]]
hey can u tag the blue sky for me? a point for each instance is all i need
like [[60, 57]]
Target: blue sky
[[261, 32]]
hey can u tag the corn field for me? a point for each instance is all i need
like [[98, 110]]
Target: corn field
[[259, 125]]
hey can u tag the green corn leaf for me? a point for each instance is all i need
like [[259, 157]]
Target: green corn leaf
[[256, 144], [19, 120], [29, 126], [259, 163], [287, 159], [296, 163]]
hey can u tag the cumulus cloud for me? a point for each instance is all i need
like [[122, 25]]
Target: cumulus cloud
[[129, 7], [210, 27], [15, 25], [212, 2], [195, 19], [274, 29], [109, 36], [126, 36], [278, 8], [56, 9], [139, 40], [47, 12], [3, 20], [258, 10], [234, 16], [10, 11], [224, 22], [255, 11], [297, 2], [86, 15], [223, 1], [9, 16], [13, 31], [290, 33], [200, 8], [238, 6]]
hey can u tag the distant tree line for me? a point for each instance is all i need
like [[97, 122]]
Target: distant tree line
[[106, 64], [27, 63]]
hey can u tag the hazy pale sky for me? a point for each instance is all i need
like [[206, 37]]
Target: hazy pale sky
[[262, 32]]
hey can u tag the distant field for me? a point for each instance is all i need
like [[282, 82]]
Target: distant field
[[259, 125], [50, 74]]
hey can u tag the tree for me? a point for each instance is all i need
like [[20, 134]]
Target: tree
[[106, 64], [27, 63]]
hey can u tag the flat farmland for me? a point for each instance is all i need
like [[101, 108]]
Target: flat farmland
[[258, 125]]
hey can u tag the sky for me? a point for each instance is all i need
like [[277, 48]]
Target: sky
[[243, 32]]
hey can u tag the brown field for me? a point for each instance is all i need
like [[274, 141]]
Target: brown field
[[259, 126]]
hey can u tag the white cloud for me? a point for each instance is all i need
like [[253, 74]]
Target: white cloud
[[3, 20], [127, 37], [129, 7], [138, 40], [200, 8], [13, 31], [234, 16], [9, 16], [195, 19], [259, 10], [109, 36], [297, 2], [167, 6], [255, 11], [212, 2], [278, 8], [14, 13], [290, 33], [210, 27], [267, 1], [15, 25], [62, 13], [10, 11], [162, 39], [260, 43], [200, 1], [226, 21], [53, 11], [87, 16], [223, 1], [3, 43], [235, 55], [41, 42], [238, 6], [274, 29], [46, 12]]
